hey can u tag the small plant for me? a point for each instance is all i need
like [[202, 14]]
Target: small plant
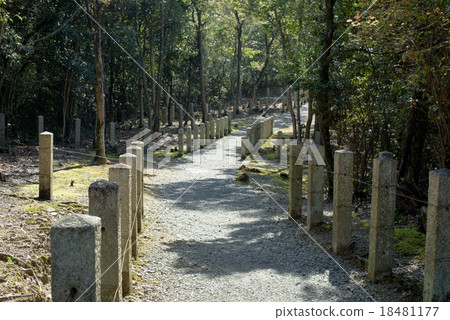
[[10, 260]]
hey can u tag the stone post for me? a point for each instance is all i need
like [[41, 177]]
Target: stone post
[[225, 125], [295, 182], [436, 285], [141, 169], [342, 201], [315, 188], [46, 166], [104, 203], [130, 159], [188, 139], [280, 143], [244, 151], [381, 245], [121, 174], [196, 140], [112, 134], [213, 127], [40, 124], [202, 135], [217, 128], [263, 129], [253, 136], [207, 134], [137, 151], [181, 142], [75, 244], [77, 132], [222, 127], [2, 131]]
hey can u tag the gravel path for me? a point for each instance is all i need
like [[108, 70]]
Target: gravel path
[[209, 238]]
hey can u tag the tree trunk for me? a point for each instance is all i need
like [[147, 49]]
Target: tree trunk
[[201, 63], [152, 73], [299, 117], [100, 153], [322, 97], [239, 63], [263, 70], [143, 74], [291, 112], [309, 121], [410, 168], [157, 113]]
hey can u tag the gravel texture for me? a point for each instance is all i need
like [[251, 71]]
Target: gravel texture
[[208, 238]]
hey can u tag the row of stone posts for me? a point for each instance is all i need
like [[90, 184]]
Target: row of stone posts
[[260, 130], [77, 140], [92, 254], [384, 182], [199, 135]]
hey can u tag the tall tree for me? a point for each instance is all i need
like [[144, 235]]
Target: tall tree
[[197, 18], [239, 25], [100, 152]]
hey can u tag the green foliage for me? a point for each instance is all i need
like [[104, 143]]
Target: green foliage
[[409, 242]]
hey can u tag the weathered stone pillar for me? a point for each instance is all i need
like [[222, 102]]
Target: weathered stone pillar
[[436, 286], [188, 139], [217, 125], [141, 169], [75, 244], [121, 174], [207, 133], [112, 134], [137, 151], [253, 136], [77, 132], [225, 125], [46, 166], [295, 182], [180, 141], [244, 140], [202, 135], [222, 127], [104, 203], [213, 127], [40, 124], [130, 159], [381, 246], [196, 140], [280, 143], [315, 188], [2, 131], [342, 201]]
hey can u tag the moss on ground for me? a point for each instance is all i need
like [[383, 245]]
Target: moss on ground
[[279, 183], [63, 188], [70, 189], [172, 154], [409, 242]]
